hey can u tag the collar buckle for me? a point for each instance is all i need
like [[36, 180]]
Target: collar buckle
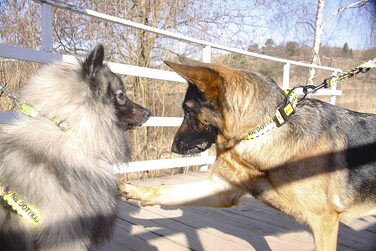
[[286, 108]]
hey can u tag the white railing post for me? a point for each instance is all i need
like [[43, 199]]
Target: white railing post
[[286, 76], [46, 14], [206, 58], [206, 54], [333, 98]]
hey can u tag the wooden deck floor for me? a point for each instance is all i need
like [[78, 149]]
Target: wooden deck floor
[[253, 226]]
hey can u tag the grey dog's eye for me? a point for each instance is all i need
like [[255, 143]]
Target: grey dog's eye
[[120, 95]]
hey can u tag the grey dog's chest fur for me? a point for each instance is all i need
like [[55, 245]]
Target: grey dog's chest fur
[[76, 200]]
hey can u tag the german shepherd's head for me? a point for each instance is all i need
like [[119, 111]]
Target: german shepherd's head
[[222, 105], [109, 89]]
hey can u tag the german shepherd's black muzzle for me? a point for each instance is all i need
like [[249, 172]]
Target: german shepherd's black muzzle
[[194, 134], [189, 141]]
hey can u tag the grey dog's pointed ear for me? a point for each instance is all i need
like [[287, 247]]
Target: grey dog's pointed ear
[[208, 80], [94, 61]]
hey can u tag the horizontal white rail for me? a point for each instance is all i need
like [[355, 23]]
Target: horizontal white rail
[[27, 54], [13, 52], [147, 165], [163, 121], [177, 36], [139, 166], [8, 117]]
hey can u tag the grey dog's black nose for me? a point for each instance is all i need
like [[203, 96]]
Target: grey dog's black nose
[[174, 147]]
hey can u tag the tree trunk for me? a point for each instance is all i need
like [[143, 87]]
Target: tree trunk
[[316, 41]]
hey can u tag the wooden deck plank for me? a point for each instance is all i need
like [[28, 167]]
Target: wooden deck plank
[[348, 238], [253, 226], [348, 235], [148, 232], [233, 231], [172, 227], [122, 240]]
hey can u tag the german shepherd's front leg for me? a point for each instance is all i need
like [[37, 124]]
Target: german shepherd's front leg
[[212, 192]]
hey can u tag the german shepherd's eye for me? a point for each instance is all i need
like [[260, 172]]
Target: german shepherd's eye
[[205, 123]]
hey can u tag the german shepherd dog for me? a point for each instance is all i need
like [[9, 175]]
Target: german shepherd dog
[[319, 167], [58, 191]]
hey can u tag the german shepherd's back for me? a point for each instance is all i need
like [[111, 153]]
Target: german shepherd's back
[[352, 138]]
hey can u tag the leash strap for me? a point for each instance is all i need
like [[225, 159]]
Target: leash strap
[[10, 95], [331, 81], [363, 68]]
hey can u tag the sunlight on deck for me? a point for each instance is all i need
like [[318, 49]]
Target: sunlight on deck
[[253, 226]]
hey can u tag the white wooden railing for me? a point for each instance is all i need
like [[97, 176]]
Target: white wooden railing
[[45, 55]]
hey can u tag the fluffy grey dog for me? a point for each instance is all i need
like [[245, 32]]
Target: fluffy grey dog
[[56, 163]]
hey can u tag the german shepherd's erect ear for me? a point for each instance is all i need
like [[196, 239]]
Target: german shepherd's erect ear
[[199, 127], [207, 80]]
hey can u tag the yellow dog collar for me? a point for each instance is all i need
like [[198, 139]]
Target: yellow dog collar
[[29, 110], [281, 116]]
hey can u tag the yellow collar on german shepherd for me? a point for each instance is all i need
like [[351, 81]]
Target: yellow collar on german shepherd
[[319, 167]]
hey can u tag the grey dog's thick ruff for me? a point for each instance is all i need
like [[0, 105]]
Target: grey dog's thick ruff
[[69, 179]]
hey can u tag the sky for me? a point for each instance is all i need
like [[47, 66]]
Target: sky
[[352, 25], [356, 31]]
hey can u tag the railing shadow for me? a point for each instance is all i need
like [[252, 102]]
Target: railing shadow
[[203, 229], [359, 162], [250, 226]]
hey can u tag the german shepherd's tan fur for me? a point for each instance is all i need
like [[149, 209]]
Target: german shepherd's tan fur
[[317, 168]]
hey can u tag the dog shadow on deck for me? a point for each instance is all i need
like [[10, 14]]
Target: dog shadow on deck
[[253, 225], [250, 227]]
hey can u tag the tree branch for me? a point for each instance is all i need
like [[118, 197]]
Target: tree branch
[[352, 5]]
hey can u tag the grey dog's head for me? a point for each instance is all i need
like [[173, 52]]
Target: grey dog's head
[[108, 88]]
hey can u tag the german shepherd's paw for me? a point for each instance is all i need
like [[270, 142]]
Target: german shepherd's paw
[[143, 195]]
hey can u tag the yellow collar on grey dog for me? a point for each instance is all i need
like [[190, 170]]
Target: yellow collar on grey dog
[[281, 116], [16, 203], [29, 110]]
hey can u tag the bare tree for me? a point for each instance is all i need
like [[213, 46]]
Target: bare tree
[[319, 27]]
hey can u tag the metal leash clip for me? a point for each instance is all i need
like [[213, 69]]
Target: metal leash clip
[[10, 95]]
